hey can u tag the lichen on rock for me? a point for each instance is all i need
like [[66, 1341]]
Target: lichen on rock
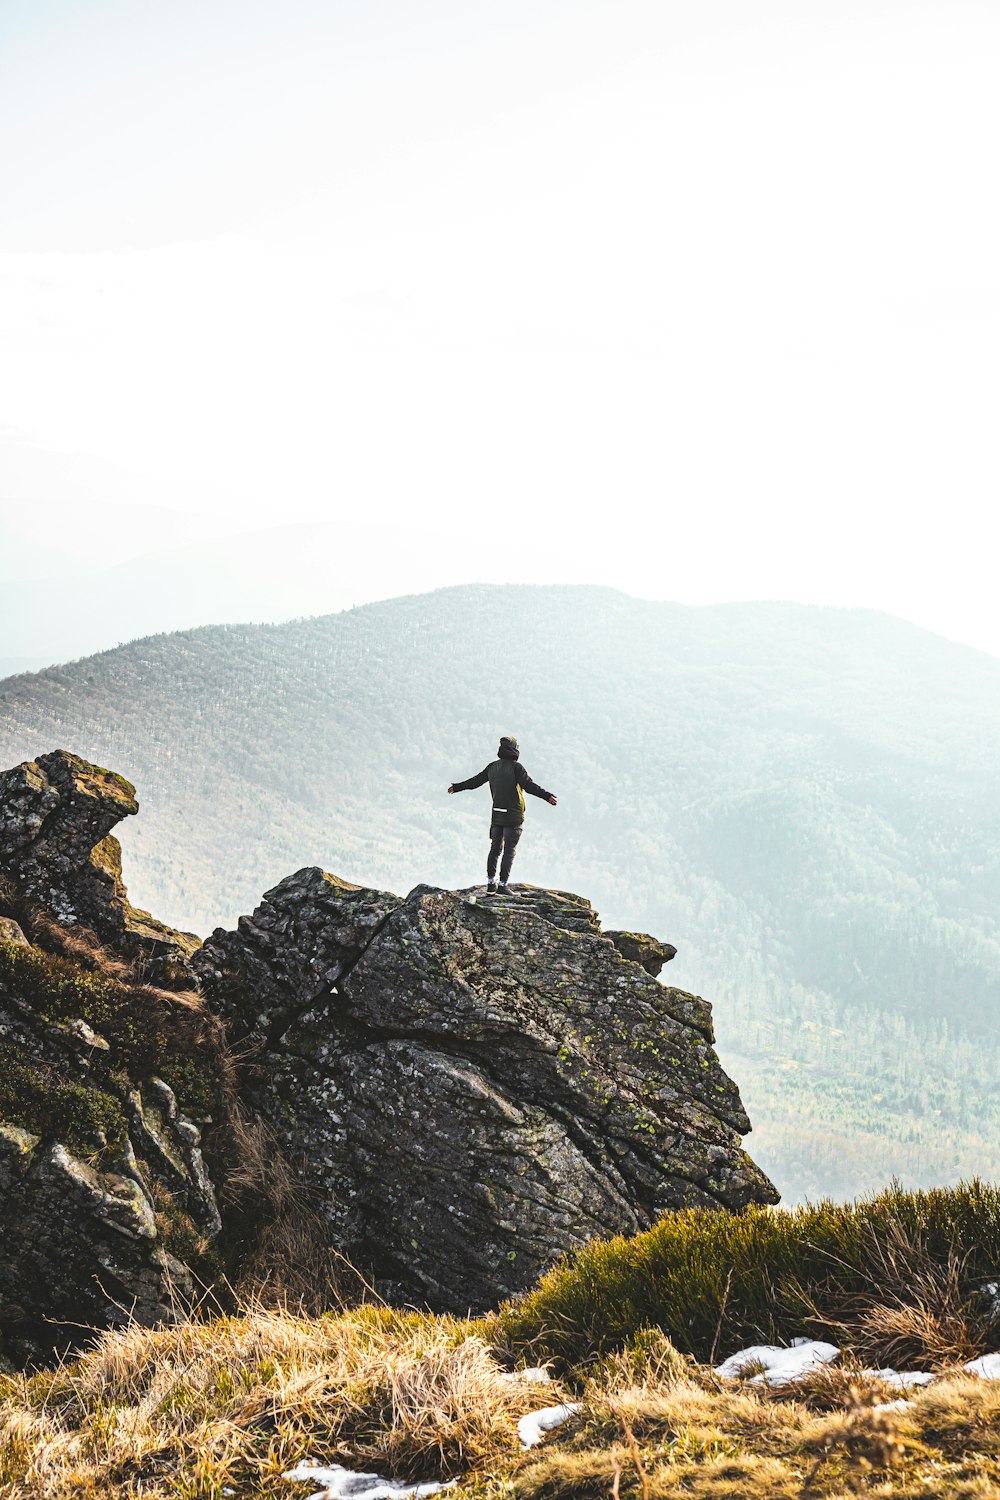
[[643, 949], [78, 1247]]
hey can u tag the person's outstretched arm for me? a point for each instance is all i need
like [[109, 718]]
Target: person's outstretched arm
[[526, 784], [473, 781]]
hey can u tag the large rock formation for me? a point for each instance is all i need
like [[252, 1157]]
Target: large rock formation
[[465, 1087], [472, 1086]]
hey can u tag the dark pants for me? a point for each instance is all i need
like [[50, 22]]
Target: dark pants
[[506, 839]]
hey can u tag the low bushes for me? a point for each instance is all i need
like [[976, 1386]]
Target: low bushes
[[713, 1280]]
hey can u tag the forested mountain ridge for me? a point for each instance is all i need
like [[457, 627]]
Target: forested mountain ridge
[[802, 799]]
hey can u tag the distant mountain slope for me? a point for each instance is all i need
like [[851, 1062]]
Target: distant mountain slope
[[275, 573], [804, 800]]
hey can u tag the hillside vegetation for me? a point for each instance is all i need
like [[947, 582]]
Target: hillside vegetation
[[804, 800], [896, 1277], [213, 1407]]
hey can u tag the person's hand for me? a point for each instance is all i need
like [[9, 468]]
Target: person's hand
[[553, 800], [450, 790]]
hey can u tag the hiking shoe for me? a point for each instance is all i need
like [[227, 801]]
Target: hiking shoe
[[505, 890], [491, 888]]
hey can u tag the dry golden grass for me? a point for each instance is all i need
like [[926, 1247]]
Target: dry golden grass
[[915, 1307], [649, 1361], [836, 1387], [80, 944], [83, 947], [293, 1264], [701, 1437], [259, 1169], [291, 1261], [184, 1413]]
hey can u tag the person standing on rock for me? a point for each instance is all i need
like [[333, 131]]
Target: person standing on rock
[[508, 782]]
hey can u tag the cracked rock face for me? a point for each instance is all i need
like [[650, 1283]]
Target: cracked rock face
[[469, 1088], [78, 1248], [300, 941], [81, 1244]]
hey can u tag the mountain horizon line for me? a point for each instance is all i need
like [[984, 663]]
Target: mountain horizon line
[[858, 611]]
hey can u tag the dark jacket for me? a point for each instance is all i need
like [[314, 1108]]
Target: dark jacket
[[508, 782]]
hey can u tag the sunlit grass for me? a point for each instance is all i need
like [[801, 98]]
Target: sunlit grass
[[228, 1404], [238, 1400], [202, 1410]]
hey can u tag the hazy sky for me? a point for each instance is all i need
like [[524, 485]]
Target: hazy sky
[[698, 299]]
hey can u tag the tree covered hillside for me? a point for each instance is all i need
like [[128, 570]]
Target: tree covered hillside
[[804, 800]]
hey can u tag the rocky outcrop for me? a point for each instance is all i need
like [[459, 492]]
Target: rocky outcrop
[[102, 1178], [97, 1175], [300, 942], [470, 1087], [465, 1088], [56, 846]]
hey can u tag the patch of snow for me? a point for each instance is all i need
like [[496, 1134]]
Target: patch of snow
[[530, 1429], [781, 1365], [345, 1484], [536, 1375], [899, 1405], [901, 1379]]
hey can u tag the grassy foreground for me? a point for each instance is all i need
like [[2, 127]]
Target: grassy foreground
[[222, 1407]]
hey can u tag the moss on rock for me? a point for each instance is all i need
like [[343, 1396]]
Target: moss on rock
[[147, 1030], [86, 1120]]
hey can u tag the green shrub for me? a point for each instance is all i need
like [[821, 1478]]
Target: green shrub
[[708, 1277]]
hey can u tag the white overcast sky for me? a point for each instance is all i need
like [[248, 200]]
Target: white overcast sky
[[698, 299]]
